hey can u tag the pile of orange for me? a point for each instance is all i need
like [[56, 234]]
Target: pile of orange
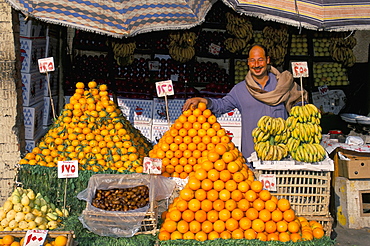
[[9, 240], [93, 130], [221, 198]]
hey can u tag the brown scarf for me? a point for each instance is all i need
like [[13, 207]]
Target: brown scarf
[[286, 90]]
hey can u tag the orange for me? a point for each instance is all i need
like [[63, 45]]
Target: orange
[[208, 165], [237, 214], [307, 236], [318, 233], [212, 195], [175, 215], [182, 205], [238, 177], [245, 223], [295, 237], [8, 239], [170, 226], [230, 205], [272, 237], [200, 194], [219, 185], [236, 195], [187, 194], [233, 167], [194, 183], [293, 227], [207, 226], [232, 224], [201, 236], [164, 235], [228, 157], [231, 185], [283, 204], [224, 214], [225, 175], [250, 234], [176, 235], [182, 226], [212, 216], [224, 195], [250, 195], [219, 165], [201, 174], [213, 174], [256, 186], [258, 225], [237, 234], [264, 195], [281, 226], [188, 235], [284, 237], [218, 205], [258, 204], [206, 205], [194, 226], [264, 215], [188, 215], [270, 226], [200, 216], [289, 215], [243, 204], [252, 213], [213, 235], [219, 226], [243, 186], [270, 205], [277, 215]]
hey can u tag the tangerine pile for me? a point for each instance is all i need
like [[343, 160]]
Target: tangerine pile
[[194, 137], [91, 129], [221, 199]]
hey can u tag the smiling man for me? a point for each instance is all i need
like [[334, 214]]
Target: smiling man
[[265, 91]]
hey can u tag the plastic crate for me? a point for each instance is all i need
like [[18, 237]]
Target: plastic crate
[[307, 191], [51, 235]]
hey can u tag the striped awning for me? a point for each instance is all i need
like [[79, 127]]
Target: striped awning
[[326, 15], [117, 18]]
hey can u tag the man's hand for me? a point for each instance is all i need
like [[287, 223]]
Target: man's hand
[[193, 102]]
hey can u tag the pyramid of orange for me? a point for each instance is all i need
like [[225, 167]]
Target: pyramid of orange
[[221, 198], [92, 130]]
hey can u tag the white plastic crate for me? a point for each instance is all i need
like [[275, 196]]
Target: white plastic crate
[[48, 112], [32, 49], [33, 117], [136, 111], [32, 88], [232, 118], [157, 132], [145, 129], [159, 110], [31, 27], [235, 133], [32, 143]]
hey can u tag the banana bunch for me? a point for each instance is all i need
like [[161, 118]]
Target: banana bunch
[[341, 48], [239, 26], [123, 52], [276, 43], [235, 44], [269, 138], [181, 47], [313, 152], [303, 124]]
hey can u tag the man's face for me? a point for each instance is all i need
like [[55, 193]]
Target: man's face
[[257, 62]]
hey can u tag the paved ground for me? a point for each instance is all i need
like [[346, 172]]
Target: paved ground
[[351, 237]]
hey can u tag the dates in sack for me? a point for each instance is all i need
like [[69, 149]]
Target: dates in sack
[[122, 199]]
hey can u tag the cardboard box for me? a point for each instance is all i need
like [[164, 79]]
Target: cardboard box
[[31, 27], [32, 49], [351, 202], [33, 118], [32, 88], [47, 118], [354, 165]]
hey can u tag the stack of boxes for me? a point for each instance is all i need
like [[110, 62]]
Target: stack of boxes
[[35, 44]]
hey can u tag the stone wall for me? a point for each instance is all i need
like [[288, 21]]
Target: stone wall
[[11, 116]]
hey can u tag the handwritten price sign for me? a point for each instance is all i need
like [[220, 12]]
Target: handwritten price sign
[[46, 64], [300, 69], [152, 165], [164, 88], [268, 181], [68, 169], [35, 237]]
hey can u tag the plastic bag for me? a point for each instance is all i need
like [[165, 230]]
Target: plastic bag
[[117, 223]]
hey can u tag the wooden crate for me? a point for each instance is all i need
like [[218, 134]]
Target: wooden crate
[[51, 234], [307, 191], [326, 221]]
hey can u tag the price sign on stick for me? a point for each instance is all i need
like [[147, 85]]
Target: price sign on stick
[[152, 165], [46, 64], [300, 69], [268, 181], [164, 88], [35, 237], [68, 169]]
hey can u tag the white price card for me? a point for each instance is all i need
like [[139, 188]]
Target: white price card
[[214, 49], [300, 69], [164, 88], [268, 181], [46, 64], [68, 169], [35, 237], [152, 165], [324, 90], [153, 65]]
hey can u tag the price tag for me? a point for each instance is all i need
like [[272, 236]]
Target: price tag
[[214, 49], [164, 88], [46, 64], [35, 237], [300, 69], [153, 65], [324, 90], [68, 169], [268, 181], [152, 165]]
